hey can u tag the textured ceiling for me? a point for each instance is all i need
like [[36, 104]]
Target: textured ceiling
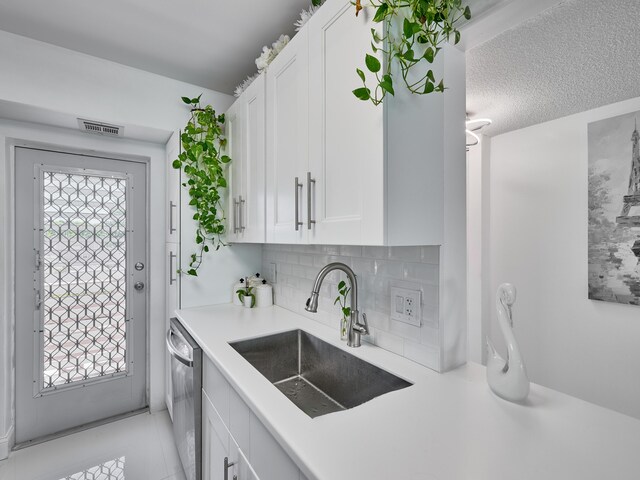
[[578, 55], [210, 43]]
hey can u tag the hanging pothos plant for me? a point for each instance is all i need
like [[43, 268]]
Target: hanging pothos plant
[[203, 163], [413, 32]]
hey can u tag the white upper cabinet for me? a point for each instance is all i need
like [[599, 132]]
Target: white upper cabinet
[[287, 142], [245, 122], [383, 174], [233, 121], [346, 135], [252, 203], [173, 190], [343, 171]]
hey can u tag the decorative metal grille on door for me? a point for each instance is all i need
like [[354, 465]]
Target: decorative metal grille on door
[[83, 312]]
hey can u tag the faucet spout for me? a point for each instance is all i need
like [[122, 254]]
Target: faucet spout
[[355, 328]]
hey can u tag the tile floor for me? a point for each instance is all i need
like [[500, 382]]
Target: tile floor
[[136, 448]]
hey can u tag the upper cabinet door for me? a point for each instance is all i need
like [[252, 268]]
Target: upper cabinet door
[[252, 197], [287, 142], [346, 139], [233, 120], [173, 190]]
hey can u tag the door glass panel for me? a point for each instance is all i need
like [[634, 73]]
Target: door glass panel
[[84, 329]]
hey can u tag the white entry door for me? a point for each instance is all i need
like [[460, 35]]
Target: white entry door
[[80, 290]]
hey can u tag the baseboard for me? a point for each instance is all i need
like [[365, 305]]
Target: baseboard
[[6, 443]]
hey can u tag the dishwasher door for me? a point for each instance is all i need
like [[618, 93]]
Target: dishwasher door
[[186, 380]]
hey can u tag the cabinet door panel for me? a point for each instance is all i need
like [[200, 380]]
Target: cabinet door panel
[[346, 142], [252, 208], [268, 459], [287, 139], [173, 190], [233, 120], [215, 442]]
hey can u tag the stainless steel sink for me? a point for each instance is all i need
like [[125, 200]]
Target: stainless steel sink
[[316, 376]]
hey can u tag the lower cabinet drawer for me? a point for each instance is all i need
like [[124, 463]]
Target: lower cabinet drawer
[[231, 431]]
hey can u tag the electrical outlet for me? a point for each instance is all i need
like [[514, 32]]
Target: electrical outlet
[[406, 306]]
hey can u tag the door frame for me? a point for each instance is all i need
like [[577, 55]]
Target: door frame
[[10, 253]]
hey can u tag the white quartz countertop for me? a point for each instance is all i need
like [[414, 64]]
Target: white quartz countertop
[[445, 426]]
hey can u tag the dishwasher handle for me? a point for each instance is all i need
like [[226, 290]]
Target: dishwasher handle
[[174, 351]]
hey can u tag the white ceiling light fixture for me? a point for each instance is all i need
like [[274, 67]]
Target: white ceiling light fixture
[[473, 126]]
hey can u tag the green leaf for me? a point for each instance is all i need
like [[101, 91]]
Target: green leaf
[[360, 74], [407, 29], [457, 37], [429, 87], [387, 84], [186, 100], [362, 93], [467, 13], [342, 284], [177, 164], [381, 12], [193, 272], [373, 64], [429, 54], [408, 55], [316, 3], [225, 159]]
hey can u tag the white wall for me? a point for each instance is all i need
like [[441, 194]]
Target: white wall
[[61, 80], [538, 241], [44, 77]]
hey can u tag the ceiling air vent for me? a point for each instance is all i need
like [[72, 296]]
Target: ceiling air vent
[[100, 128]]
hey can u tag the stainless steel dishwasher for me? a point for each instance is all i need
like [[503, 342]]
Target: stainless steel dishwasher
[[186, 381]]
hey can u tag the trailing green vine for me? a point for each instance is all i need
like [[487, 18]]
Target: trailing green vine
[[413, 32], [204, 164]]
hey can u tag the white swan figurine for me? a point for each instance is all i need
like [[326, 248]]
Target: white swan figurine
[[507, 378]]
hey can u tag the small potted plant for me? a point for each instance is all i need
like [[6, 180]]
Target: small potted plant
[[341, 299], [246, 295]]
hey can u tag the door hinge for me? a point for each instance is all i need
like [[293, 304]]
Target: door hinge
[[38, 260]]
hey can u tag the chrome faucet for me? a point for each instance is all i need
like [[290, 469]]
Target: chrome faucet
[[355, 329]]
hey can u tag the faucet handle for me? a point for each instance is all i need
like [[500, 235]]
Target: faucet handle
[[362, 329]]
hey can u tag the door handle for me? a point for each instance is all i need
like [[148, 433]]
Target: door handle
[[241, 204], [174, 352], [236, 204], [309, 182], [172, 256], [227, 465], [298, 185], [171, 227]]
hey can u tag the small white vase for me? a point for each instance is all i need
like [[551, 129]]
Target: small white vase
[[247, 301]]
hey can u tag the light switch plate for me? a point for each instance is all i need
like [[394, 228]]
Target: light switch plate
[[406, 306]]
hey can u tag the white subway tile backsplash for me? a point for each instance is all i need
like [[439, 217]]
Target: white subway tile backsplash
[[377, 269], [422, 272]]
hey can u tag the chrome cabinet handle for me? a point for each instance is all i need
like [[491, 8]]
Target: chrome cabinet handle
[[241, 207], [236, 229], [171, 227], [227, 465], [172, 256], [298, 185], [309, 182], [175, 353]]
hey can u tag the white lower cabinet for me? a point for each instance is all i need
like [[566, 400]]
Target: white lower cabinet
[[231, 431]]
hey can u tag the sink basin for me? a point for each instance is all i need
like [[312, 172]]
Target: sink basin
[[316, 376]]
